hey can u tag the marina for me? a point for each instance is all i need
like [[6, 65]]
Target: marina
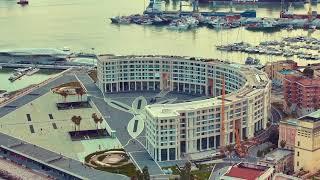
[[18, 73], [300, 46], [186, 20], [153, 39]]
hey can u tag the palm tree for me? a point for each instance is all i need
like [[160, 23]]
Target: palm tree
[[145, 172], [74, 120], [65, 95], [100, 121], [78, 121], [79, 92], [282, 143], [139, 175], [95, 119], [185, 173]]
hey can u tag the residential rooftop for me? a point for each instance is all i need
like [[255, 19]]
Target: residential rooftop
[[292, 122], [245, 171], [276, 156], [313, 117]]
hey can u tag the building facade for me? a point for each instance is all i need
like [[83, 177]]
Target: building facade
[[287, 133], [301, 94], [173, 130], [307, 146]]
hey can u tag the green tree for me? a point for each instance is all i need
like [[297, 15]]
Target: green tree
[[64, 95], [139, 175], [78, 121], [74, 119], [95, 119], [282, 143], [268, 124], [79, 92], [100, 121], [145, 172], [185, 173]]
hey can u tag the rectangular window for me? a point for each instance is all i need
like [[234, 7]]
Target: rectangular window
[[54, 126], [164, 154], [28, 117], [172, 154], [31, 128], [198, 144]]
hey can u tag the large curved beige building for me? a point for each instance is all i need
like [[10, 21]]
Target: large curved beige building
[[190, 127]]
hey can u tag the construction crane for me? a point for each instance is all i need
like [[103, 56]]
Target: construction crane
[[222, 115], [240, 149]]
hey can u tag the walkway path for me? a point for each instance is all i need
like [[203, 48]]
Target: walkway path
[[118, 121]]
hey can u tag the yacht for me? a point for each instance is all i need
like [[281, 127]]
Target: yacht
[[32, 71]]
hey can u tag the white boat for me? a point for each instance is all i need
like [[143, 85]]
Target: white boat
[[32, 71], [65, 49]]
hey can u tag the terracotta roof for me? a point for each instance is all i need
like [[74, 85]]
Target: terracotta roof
[[244, 173]]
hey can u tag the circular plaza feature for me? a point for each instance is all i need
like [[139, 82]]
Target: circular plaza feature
[[111, 158]]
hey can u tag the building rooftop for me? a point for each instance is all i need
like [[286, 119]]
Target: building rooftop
[[276, 156], [281, 176], [292, 122], [255, 81], [313, 117], [287, 71], [246, 171]]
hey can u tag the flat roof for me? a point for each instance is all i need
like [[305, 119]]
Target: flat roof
[[292, 122], [287, 71], [276, 155], [256, 82], [314, 117], [247, 172]]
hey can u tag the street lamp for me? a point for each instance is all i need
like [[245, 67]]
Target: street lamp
[[93, 55]]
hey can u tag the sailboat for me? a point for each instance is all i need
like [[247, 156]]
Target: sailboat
[[23, 2]]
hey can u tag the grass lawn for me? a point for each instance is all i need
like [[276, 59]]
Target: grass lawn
[[204, 171], [202, 174], [174, 169], [128, 170]]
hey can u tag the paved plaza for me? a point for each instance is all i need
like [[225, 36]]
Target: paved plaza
[[50, 145], [36, 120], [45, 135], [122, 110]]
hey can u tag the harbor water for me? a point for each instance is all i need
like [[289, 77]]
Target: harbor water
[[24, 81], [84, 24]]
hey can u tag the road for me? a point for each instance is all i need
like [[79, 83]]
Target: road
[[276, 115]]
